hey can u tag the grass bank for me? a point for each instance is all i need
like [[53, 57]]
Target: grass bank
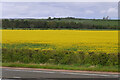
[[64, 67]]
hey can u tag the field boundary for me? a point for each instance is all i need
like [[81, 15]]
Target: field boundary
[[110, 69]]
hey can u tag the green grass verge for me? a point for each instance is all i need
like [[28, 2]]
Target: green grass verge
[[64, 67]]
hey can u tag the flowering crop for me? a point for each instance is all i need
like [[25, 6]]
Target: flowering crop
[[80, 40]]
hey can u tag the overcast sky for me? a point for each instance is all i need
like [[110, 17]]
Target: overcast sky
[[59, 9]]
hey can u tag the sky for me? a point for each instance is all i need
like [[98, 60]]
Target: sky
[[89, 10], [59, 0]]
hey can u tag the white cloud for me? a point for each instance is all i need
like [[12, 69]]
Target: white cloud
[[89, 12], [112, 10], [109, 11], [103, 11], [38, 10], [35, 10]]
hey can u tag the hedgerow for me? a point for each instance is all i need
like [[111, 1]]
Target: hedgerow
[[59, 57]]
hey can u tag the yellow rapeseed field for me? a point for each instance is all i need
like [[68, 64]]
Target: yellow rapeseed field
[[96, 40]]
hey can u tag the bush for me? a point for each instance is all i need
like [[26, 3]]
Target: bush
[[59, 57]]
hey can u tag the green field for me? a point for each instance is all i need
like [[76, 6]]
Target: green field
[[79, 49]]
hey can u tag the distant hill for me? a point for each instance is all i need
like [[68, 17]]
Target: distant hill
[[60, 23]]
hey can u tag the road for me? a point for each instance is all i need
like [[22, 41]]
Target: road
[[8, 72]]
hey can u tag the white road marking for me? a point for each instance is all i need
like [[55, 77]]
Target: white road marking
[[16, 77], [89, 74], [73, 73], [33, 71], [42, 71]]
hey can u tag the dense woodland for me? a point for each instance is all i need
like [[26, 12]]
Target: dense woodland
[[59, 23]]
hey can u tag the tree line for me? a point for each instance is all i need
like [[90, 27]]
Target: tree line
[[50, 24]]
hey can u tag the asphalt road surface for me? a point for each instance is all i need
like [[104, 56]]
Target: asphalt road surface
[[36, 73]]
